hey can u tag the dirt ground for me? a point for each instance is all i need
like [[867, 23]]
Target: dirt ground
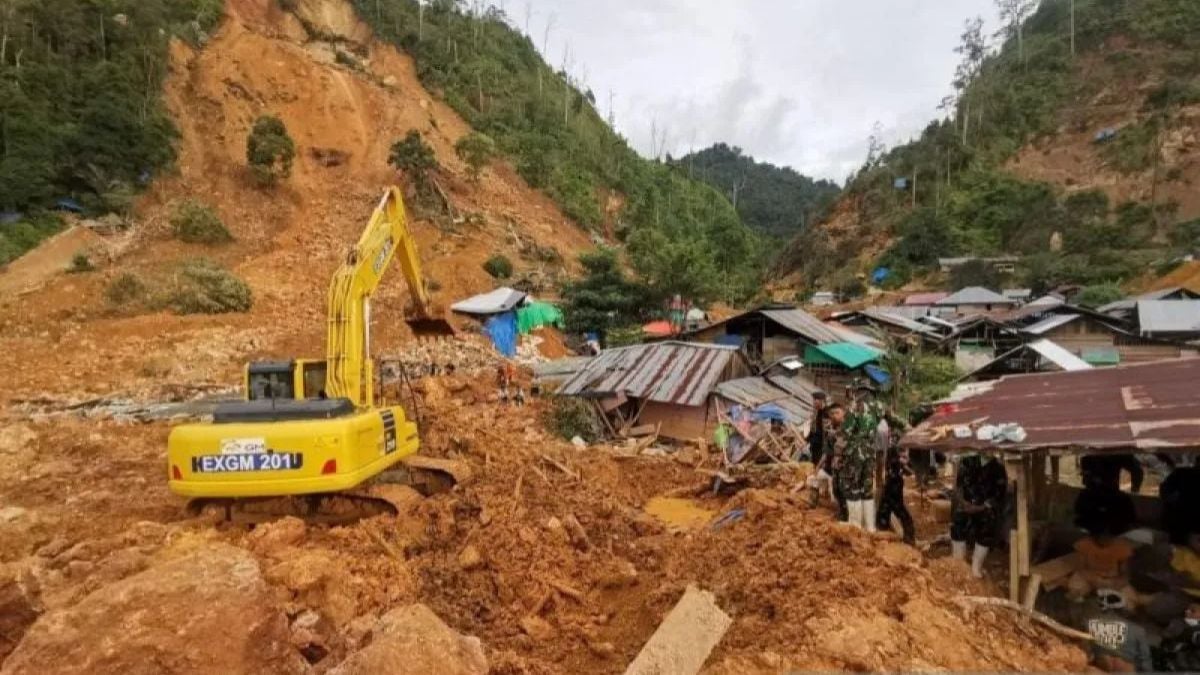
[[548, 555]]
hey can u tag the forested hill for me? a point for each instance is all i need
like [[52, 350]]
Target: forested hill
[[682, 235], [1070, 143], [776, 201]]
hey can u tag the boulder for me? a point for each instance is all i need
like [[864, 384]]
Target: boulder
[[209, 611], [414, 641], [332, 19], [18, 611]]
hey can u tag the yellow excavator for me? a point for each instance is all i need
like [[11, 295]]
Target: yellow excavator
[[309, 438]]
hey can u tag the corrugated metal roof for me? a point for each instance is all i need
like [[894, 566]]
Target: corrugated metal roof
[[925, 298], [1168, 316], [805, 324], [1150, 406], [885, 315], [847, 354], [755, 391], [1050, 323], [976, 295], [563, 366], [1128, 304], [667, 372], [492, 302], [1017, 293], [1059, 356]]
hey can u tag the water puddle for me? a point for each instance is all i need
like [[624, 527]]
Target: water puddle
[[679, 514]]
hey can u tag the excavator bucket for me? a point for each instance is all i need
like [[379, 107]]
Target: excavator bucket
[[430, 327]]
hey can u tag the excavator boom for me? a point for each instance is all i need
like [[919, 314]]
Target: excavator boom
[[348, 335]]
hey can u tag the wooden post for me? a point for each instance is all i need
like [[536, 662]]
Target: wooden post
[[1018, 544], [1038, 487]]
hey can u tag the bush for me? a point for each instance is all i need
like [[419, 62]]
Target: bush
[[126, 288], [569, 417], [414, 157], [1099, 294], [476, 150], [203, 287], [269, 150], [1133, 149], [198, 223], [81, 263], [500, 267]]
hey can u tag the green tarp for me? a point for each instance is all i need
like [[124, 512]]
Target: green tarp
[[1102, 356], [538, 314], [846, 354]]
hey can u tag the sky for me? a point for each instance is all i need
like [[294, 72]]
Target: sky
[[793, 82]]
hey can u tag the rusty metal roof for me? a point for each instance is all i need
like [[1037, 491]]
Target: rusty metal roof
[[806, 325], [667, 372], [1148, 406]]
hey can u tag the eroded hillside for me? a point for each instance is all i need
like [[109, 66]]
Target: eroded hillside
[[345, 99]]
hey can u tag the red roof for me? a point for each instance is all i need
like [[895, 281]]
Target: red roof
[[659, 328], [925, 298], [1149, 406]]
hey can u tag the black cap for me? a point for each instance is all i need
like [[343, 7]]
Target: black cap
[[818, 395]]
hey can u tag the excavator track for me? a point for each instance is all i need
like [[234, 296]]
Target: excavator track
[[392, 492]]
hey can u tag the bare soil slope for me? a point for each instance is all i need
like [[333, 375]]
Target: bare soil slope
[[65, 340]]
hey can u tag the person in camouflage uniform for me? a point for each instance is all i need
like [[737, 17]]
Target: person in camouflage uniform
[[857, 468], [831, 458]]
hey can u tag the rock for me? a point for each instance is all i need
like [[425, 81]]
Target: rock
[[620, 574], [604, 649], [11, 514], [415, 641], [578, 442], [538, 628], [271, 537], [55, 547], [332, 19], [18, 611], [390, 81], [682, 642], [470, 558], [167, 619], [576, 533]]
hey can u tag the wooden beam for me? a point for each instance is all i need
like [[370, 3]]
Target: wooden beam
[[1014, 574], [1023, 540]]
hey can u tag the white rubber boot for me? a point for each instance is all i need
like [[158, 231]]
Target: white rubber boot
[[958, 549], [855, 508], [869, 514], [977, 561]]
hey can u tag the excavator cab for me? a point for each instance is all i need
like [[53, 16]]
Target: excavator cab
[[297, 379]]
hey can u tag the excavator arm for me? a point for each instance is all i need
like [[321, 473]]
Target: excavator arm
[[350, 372]]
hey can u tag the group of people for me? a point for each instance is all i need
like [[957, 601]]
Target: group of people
[[1144, 591], [846, 442]]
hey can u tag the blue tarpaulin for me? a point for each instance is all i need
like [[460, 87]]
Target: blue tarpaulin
[[900, 183], [731, 340], [880, 273], [10, 217], [502, 329], [68, 204], [879, 375]]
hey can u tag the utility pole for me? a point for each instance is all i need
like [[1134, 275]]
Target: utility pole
[[914, 188], [420, 20]]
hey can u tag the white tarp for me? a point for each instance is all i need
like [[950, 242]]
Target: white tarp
[[494, 302], [1059, 356]]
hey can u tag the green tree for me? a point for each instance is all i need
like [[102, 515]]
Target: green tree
[[415, 158], [269, 150], [477, 150], [604, 298], [975, 273]]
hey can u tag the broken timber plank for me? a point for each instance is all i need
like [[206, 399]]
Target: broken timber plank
[[682, 642]]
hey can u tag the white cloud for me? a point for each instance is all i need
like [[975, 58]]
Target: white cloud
[[797, 82]]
